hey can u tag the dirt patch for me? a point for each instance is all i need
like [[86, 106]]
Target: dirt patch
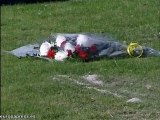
[[94, 83], [93, 79]]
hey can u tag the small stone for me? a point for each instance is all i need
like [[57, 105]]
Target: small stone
[[92, 99], [134, 100], [93, 79], [148, 86]]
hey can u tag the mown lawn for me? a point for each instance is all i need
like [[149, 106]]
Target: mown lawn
[[48, 89]]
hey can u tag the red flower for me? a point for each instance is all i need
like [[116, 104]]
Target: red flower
[[78, 48], [69, 52], [51, 53], [93, 48], [84, 55]]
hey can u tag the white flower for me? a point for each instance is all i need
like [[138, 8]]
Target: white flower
[[44, 48], [61, 56], [83, 40], [69, 46], [59, 40]]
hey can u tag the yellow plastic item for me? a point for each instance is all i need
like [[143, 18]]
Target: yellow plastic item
[[131, 49]]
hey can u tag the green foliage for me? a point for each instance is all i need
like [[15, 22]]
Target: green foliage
[[28, 85]]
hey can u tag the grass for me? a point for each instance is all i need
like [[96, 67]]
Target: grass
[[28, 87]]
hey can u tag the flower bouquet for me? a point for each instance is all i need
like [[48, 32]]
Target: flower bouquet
[[81, 46]]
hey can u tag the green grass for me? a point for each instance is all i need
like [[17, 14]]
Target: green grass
[[28, 87]]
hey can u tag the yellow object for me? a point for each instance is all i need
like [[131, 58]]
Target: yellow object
[[135, 50]]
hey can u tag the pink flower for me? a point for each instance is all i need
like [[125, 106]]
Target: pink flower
[[63, 44]]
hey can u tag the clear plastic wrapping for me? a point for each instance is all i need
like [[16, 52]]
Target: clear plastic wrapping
[[84, 46]]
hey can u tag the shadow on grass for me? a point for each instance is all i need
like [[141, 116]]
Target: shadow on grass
[[12, 2]]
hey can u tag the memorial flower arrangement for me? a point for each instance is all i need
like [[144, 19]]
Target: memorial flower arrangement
[[62, 49], [85, 47]]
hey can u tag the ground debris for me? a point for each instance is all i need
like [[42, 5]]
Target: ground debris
[[148, 86], [93, 79], [134, 100]]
